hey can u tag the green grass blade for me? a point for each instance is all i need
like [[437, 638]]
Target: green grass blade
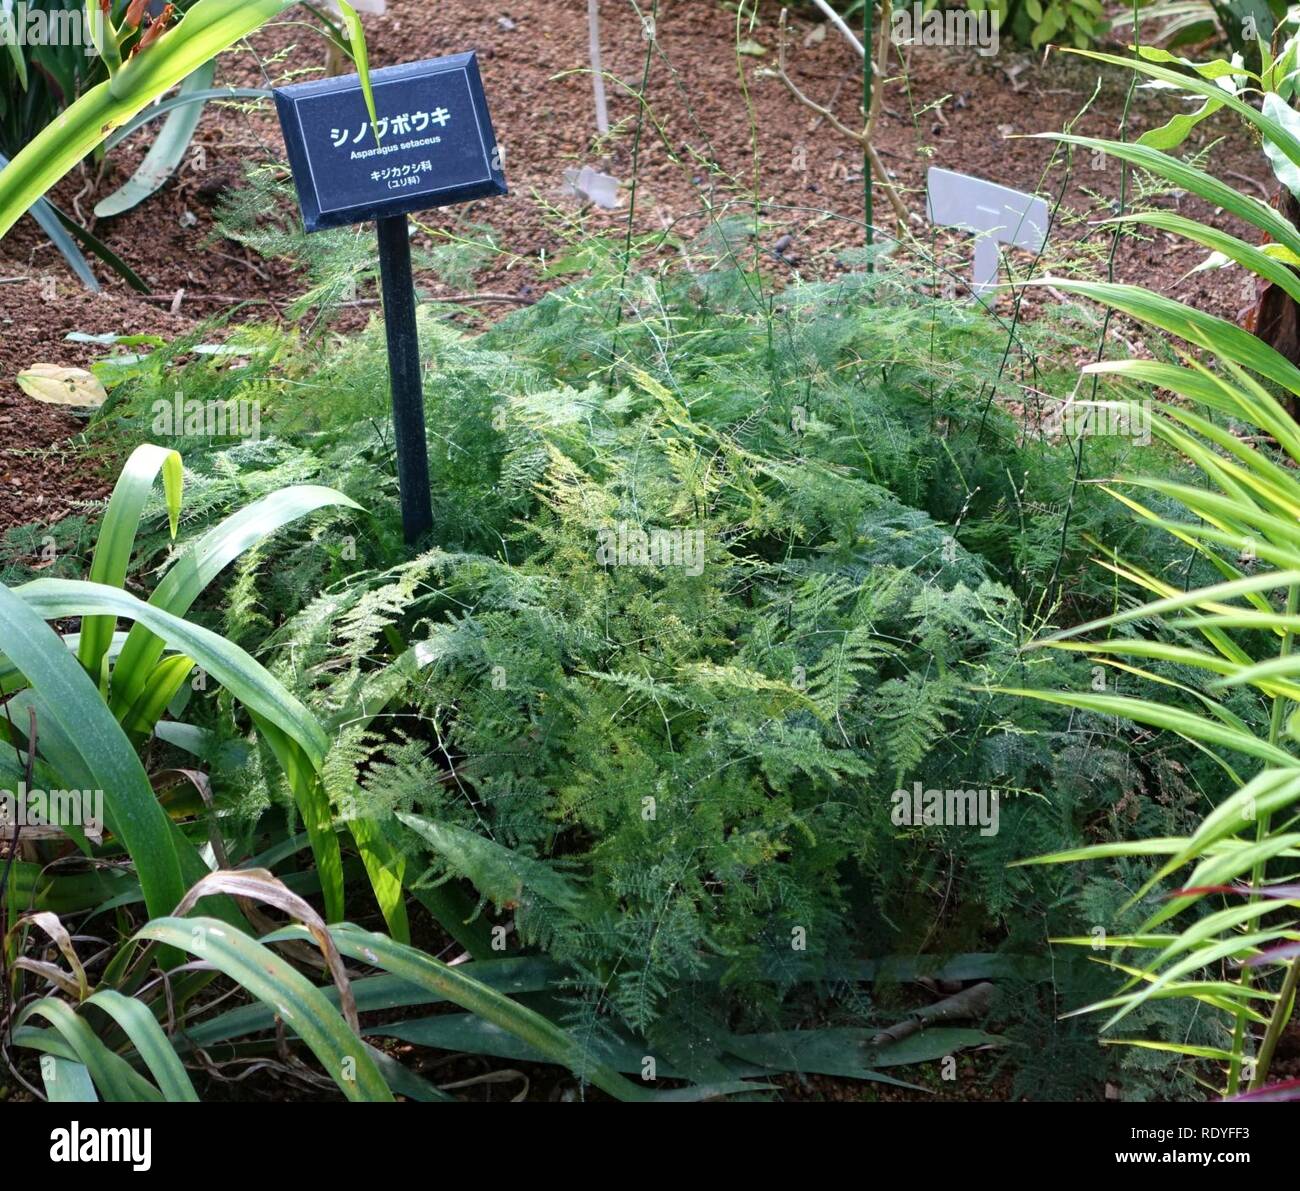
[[292, 731], [1246, 255], [1200, 958], [1268, 127], [1204, 929], [1139, 847], [313, 804], [386, 868], [45, 214], [1175, 603], [82, 740], [299, 1004], [151, 1044], [117, 534], [166, 680], [1265, 793], [373, 993], [1178, 1048], [1220, 869]]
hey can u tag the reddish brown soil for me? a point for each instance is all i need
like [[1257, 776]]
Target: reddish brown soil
[[712, 141], [948, 107], [43, 475]]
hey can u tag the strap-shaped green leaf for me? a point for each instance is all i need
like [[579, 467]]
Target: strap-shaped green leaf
[[150, 1042], [67, 1082], [313, 804], [360, 57], [1206, 330], [117, 534], [298, 1003], [245, 679], [165, 153], [197, 567], [167, 678], [207, 28], [386, 868], [116, 1079], [526, 1024], [1158, 715], [1187, 177], [80, 738]]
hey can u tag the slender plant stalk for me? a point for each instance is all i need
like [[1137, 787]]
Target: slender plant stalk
[[882, 65], [1276, 1024], [1105, 322], [633, 190], [867, 110]]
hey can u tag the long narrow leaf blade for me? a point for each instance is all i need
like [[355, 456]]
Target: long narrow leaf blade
[[165, 153], [299, 1004], [80, 736]]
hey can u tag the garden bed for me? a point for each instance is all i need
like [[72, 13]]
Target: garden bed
[[794, 698]]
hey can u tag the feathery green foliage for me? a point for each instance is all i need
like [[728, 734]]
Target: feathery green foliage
[[678, 776]]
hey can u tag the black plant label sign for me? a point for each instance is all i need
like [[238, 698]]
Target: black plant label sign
[[431, 144]]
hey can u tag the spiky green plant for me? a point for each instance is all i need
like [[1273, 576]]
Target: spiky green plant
[[80, 706], [1223, 654], [139, 68], [125, 1037]]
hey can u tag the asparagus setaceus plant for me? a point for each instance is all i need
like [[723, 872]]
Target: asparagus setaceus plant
[[80, 710], [493, 715], [506, 703], [89, 709]]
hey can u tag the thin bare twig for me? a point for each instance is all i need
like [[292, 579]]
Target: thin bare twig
[[861, 138], [882, 64]]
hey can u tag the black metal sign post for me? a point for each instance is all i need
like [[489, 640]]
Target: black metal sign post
[[431, 145], [404, 374]]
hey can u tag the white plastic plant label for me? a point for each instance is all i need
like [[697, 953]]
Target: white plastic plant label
[[592, 186], [996, 214]]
